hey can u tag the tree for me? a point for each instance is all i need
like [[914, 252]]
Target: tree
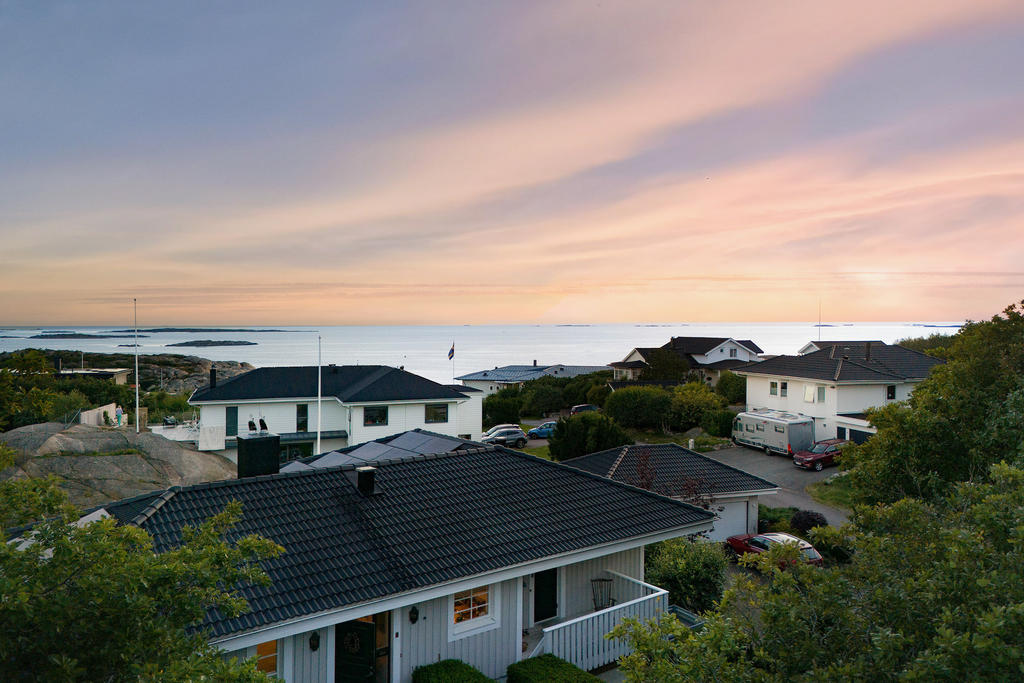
[[541, 398], [598, 394], [732, 387], [936, 344], [585, 433], [503, 407], [665, 365], [96, 603], [692, 571], [639, 407], [691, 401]]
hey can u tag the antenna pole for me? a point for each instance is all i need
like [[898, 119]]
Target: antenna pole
[[135, 312]]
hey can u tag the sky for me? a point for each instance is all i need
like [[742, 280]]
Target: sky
[[510, 162]]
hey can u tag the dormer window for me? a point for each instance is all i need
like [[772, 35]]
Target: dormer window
[[732, 353]]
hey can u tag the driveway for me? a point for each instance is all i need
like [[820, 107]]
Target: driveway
[[791, 480]]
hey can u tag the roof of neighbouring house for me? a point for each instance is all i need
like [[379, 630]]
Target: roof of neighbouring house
[[525, 373], [437, 518], [674, 470], [701, 345], [348, 383], [839, 363]]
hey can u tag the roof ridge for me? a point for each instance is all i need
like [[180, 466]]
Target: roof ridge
[[377, 374], [618, 460], [151, 509]]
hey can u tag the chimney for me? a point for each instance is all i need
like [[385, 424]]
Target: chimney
[[258, 453], [366, 480], [213, 378], [867, 350], [534, 362]]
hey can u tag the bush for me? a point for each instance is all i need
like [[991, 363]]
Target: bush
[[732, 387], [598, 394], [803, 521], [585, 433], [448, 671], [541, 398], [692, 571], [640, 407], [499, 409], [547, 668], [690, 402], [718, 422], [773, 519]]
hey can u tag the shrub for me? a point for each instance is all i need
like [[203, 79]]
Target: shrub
[[640, 407], [732, 387], [448, 671], [598, 394], [547, 668], [804, 520], [541, 398], [692, 571], [499, 409], [690, 402], [718, 422], [585, 433], [773, 519]]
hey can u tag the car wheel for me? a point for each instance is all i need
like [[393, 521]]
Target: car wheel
[[520, 443], [766, 450], [817, 467]]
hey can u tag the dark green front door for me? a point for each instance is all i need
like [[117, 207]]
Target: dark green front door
[[545, 594], [354, 651]]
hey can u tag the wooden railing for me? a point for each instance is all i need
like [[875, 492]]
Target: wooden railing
[[582, 640]]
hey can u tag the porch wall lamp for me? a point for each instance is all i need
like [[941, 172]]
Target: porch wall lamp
[[414, 615], [314, 641]]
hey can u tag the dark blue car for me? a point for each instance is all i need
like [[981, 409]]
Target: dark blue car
[[543, 431]]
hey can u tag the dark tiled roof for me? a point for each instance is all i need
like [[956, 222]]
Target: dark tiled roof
[[349, 383], [436, 519], [628, 365], [463, 389], [676, 471], [701, 345], [888, 363], [727, 364]]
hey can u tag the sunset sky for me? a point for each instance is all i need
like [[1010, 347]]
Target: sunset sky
[[477, 162]]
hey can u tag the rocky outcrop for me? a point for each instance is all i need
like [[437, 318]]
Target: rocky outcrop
[[99, 464]]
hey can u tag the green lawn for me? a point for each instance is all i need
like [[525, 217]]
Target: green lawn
[[703, 442], [539, 451], [836, 492]]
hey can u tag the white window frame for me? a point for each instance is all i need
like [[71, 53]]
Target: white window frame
[[809, 392], [821, 394], [773, 388], [479, 625], [784, 389]]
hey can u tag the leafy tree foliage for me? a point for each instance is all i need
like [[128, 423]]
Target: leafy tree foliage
[[718, 422], [732, 387], [691, 401], [932, 591], [585, 433], [502, 408], [936, 344], [803, 521], [665, 365], [96, 603], [964, 417], [598, 394], [640, 407], [692, 571]]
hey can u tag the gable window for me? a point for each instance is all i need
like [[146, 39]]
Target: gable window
[[732, 353], [231, 421], [473, 611], [302, 417], [266, 657], [785, 388], [773, 388], [434, 413], [375, 415], [821, 394], [890, 392]]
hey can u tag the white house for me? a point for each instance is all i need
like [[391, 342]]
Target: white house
[[474, 552], [492, 381], [677, 472], [836, 384], [707, 355], [358, 403]]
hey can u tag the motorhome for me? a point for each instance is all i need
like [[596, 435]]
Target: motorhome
[[773, 431]]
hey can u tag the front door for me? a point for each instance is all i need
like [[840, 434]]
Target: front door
[[362, 649], [545, 594]]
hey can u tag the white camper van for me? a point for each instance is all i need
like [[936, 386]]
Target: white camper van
[[773, 431]]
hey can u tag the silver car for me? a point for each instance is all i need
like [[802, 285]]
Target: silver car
[[507, 437]]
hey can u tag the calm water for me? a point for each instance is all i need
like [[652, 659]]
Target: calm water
[[424, 350]]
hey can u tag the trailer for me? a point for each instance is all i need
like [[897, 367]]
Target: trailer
[[773, 431]]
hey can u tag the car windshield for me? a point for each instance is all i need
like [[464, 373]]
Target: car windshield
[[819, 448], [810, 553]]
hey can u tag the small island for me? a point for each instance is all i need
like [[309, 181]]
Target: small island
[[195, 329], [81, 335], [213, 342]]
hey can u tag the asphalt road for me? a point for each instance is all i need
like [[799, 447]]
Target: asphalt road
[[791, 480]]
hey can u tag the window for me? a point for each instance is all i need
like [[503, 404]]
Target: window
[[890, 392], [785, 388], [780, 429], [773, 388], [375, 415], [473, 611], [434, 413], [760, 427], [821, 394], [302, 417], [231, 421], [732, 353], [840, 432], [750, 428], [266, 657], [808, 394]]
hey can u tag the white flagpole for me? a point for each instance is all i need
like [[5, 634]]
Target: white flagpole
[[319, 391], [135, 309]]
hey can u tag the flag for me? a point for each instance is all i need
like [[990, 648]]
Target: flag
[[451, 352]]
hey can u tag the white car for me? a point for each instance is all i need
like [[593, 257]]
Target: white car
[[497, 428]]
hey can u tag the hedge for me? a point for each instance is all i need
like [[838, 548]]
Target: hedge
[[547, 668], [448, 671]]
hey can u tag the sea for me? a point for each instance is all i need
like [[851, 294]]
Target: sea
[[424, 350]]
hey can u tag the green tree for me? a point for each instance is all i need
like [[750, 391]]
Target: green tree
[[936, 344], [96, 603], [732, 387], [640, 407], [585, 433], [692, 571], [598, 394], [541, 398], [501, 409], [691, 401], [665, 365], [29, 362]]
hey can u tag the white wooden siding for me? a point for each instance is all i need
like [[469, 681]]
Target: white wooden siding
[[575, 593], [309, 666]]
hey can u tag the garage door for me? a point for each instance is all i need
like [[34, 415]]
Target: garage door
[[857, 436], [733, 520]]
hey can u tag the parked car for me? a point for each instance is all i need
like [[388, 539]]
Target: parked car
[[761, 543], [507, 437], [821, 454], [498, 428], [583, 408], [543, 431]]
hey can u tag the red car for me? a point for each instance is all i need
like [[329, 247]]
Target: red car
[[761, 543], [821, 454]]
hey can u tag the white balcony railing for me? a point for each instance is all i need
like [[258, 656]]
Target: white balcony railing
[[582, 640]]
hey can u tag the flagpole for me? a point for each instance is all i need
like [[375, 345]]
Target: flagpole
[[319, 391], [135, 310]]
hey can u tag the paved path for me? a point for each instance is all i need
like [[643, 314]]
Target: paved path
[[792, 480]]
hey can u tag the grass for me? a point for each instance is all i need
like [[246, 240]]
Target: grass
[[835, 492], [702, 443], [539, 451]]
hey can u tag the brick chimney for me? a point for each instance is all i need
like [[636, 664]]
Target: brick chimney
[[867, 350], [213, 378]]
